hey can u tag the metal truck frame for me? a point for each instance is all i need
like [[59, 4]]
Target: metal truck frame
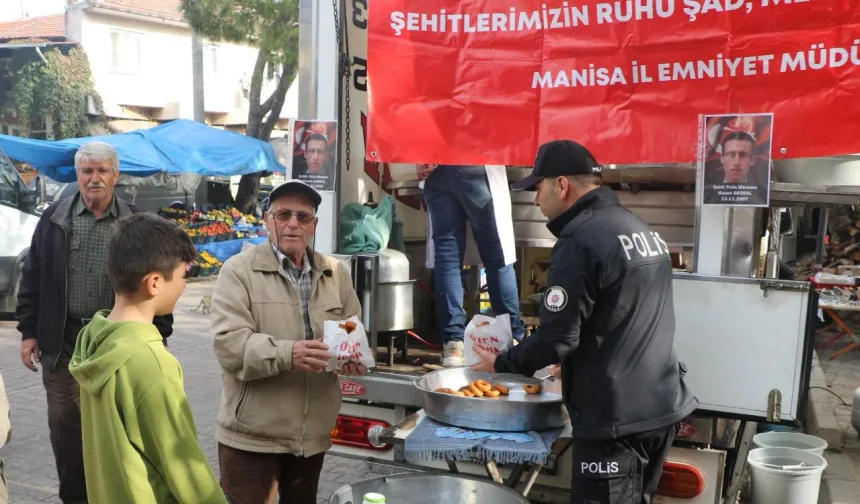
[[707, 461]]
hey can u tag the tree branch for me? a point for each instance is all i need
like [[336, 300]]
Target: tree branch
[[278, 98], [255, 113], [266, 107]]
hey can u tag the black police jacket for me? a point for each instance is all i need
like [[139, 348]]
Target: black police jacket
[[608, 317]]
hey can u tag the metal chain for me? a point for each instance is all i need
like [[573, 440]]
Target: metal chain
[[775, 217], [345, 76]]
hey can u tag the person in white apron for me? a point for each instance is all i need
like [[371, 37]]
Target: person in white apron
[[478, 196]]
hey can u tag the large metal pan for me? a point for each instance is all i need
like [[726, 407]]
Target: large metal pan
[[516, 412], [429, 489]]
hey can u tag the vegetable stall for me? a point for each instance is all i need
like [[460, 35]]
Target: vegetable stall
[[173, 149], [218, 233]]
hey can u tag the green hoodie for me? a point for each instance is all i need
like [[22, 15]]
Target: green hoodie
[[140, 443]]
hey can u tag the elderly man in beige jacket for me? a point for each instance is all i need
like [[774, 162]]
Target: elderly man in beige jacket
[[278, 405]]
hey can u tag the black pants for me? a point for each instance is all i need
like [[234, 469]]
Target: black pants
[[619, 471], [64, 423]]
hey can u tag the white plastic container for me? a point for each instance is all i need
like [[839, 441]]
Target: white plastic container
[[373, 498], [777, 439], [785, 475]]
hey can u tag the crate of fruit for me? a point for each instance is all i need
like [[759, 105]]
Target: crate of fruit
[[209, 265]]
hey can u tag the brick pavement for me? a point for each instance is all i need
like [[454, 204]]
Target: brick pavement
[[841, 483], [28, 457]]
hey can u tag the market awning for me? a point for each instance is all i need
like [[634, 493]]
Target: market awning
[[180, 146]]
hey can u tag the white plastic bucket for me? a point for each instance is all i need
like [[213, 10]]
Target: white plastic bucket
[[776, 439], [785, 475]]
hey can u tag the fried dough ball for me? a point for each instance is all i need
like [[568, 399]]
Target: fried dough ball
[[475, 390], [348, 326], [483, 386], [501, 388], [532, 389]]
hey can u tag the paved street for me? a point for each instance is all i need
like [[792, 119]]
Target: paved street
[[841, 483], [28, 457]]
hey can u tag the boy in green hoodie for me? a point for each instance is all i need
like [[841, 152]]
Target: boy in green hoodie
[[140, 443]]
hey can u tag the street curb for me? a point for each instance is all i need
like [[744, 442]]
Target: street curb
[[822, 415], [839, 484]]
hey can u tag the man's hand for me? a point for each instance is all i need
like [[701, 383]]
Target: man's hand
[[555, 370], [488, 360], [30, 353], [310, 356], [424, 170], [352, 369]]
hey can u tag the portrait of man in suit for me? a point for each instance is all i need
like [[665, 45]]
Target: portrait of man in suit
[[737, 160], [314, 154]]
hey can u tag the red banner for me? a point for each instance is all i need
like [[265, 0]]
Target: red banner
[[487, 82]]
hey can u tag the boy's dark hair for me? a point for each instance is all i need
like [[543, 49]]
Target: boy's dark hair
[[142, 244]]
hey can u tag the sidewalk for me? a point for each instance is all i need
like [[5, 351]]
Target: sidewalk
[[830, 406], [28, 458]]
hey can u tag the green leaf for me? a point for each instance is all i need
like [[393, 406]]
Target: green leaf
[[270, 25], [58, 88]]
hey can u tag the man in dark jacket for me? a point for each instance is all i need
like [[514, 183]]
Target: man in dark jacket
[[63, 283], [607, 316]]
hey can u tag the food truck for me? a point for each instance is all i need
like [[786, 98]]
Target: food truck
[[745, 336]]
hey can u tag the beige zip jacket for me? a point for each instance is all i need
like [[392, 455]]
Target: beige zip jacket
[[266, 407]]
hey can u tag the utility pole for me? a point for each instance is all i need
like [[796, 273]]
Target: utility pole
[[197, 70]]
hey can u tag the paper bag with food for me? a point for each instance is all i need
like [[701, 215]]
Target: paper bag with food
[[491, 334], [347, 342]]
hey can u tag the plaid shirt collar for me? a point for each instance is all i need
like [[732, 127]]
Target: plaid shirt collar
[[288, 264], [302, 280], [79, 207]]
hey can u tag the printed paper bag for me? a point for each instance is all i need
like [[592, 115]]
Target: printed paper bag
[[491, 334], [347, 342]]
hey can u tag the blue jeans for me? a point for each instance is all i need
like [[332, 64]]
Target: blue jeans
[[456, 195]]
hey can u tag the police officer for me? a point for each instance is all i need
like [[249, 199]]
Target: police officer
[[607, 316]]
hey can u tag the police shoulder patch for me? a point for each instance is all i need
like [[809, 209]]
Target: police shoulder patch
[[555, 299]]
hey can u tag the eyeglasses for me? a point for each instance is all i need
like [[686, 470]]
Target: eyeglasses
[[286, 215]]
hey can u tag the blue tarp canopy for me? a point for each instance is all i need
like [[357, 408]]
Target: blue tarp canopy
[[180, 146]]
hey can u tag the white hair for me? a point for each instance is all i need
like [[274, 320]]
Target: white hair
[[97, 152]]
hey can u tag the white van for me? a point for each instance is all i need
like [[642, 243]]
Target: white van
[[20, 207]]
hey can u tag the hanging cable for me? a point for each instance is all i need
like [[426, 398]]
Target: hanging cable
[[422, 340]]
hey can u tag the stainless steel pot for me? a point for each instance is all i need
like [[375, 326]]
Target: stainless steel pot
[[395, 291], [429, 489], [516, 412]]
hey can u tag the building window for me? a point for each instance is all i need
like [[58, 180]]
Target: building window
[[210, 60], [127, 54]]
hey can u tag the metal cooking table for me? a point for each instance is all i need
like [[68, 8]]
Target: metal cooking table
[[397, 434]]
